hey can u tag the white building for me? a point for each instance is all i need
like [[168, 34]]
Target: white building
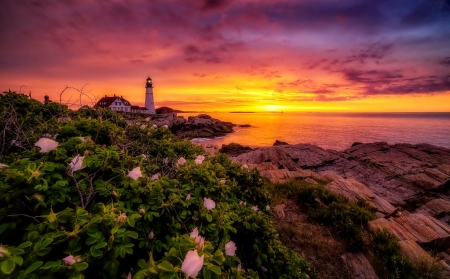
[[120, 104]]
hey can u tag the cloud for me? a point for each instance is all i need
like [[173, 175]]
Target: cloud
[[445, 61]]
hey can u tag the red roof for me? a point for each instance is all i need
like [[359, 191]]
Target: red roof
[[105, 102]]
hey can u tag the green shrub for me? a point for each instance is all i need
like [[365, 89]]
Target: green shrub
[[346, 219], [99, 222]]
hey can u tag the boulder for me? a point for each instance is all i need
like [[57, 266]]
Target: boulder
[[170, 119], [234, 149], [355, 191], [424, 230], [203, 126], [278, 142], [291, 157], [245, 126], [358, 266], [435, 208]]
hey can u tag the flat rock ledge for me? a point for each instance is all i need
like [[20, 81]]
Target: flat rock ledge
[[358, 266]]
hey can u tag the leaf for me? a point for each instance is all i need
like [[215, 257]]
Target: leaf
[[142, 263], [167, 275], [208, 217], [81, 266], [43, 252], [91, 240], [132, 234], [18, 260], [100, 245], [218, 257], [24, 245], [166, 266], [206, 274], [32, 267], [215, 269], [130, 222], [8, 266], [46, 242], [51, 264], [3, 228], [96, 253]]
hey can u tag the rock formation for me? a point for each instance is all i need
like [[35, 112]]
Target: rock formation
[[203, 126], [234, 149]]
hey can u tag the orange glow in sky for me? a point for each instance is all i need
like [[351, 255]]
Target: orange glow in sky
[[250, 55]]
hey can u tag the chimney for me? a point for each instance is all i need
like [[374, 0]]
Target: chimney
[[114, 95], [106, 96]]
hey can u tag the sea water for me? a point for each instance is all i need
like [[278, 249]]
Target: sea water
[[336, 131]]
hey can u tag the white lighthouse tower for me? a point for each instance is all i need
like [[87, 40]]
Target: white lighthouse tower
[[149, 101]]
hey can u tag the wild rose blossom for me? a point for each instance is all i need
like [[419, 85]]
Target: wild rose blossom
[[199, 159], [122, 217], [151, 235], [135, 173], [181, 161], [3, 166], [245, 166], [77, 163], [230, 248], [267, 207], [154, 126], [165, 126], [82, 139], [201, 241], [129, 276], [46, 145], [209, 203], [255, 208], [194, 233], [69, 260], [141, 210], [223, 181], [165, 161], [145, 156], [147, 119], [198, 162], [156, 176], [264, 269], [114, 193], [239, 267], [143, 126], [192, 264], [37, 197], [188, 197], [3, 251]]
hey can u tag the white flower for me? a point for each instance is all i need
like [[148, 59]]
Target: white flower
[[239, 267], [143, 126], [156, 176], [114, 193], [147, 119], [46, 145], [241, 203], [230, 248], [192, 264], [223, 181], [141, 210], [3, 166], [145, 156], [255, 208], [245, 166], [151, 235], [188, 197], [263, 269], [77, 163], [201, 241], [135, 173], [199, 159], [69, 260], [129, 276], [82, 139], [181, 161], [154, 126], [209, 203], [122, 217], [165, 126], [194, 233], [267, 207], [165, 160], [3, 251]]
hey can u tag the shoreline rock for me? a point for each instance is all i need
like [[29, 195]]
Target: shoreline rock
[[234, 149]]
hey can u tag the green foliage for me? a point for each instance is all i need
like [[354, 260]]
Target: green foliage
[[391, 263], [97, 222], [347, 220]]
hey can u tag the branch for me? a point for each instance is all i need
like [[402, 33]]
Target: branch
[[16, 215]]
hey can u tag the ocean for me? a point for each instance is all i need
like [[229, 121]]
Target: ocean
[[336, 131]]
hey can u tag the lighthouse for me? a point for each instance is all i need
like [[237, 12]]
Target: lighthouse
[[149, 101]]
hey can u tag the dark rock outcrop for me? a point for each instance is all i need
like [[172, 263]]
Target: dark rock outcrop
[[278, 142], [403, 174], [234, 149], [245, 126], [203, 126]]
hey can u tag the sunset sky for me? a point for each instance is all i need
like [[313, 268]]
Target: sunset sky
[[241, 55]]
